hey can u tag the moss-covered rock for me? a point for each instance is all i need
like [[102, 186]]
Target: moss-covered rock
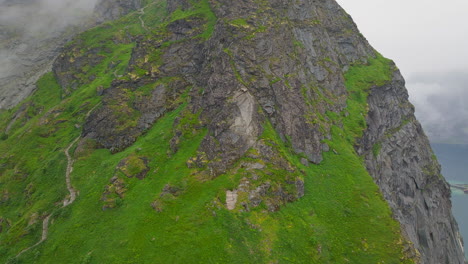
[[134, 166], [114, 193]]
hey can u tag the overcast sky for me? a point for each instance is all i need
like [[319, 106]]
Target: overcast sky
[[428, 40]]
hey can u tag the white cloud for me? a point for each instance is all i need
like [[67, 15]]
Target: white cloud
[[441, 104], [420, 35], [44, 17], [25, 24]]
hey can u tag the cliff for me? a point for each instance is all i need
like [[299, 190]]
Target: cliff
[[399, 157], [228, 131]]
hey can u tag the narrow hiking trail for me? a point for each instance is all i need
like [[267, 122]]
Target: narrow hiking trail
[[73, 193], [45, 229], [8, 128], [70, 198], [142, 12]]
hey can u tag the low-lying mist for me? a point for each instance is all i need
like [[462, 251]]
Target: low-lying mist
[[40, 18], [24, 24]]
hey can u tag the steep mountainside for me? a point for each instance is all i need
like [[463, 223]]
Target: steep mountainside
[[222, 132], [398, 156]]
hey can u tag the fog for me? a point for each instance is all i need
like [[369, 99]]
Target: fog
[[428, 40], [25, 25], [43, 17], [5, 61]]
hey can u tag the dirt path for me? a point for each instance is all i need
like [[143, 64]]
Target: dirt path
[[8, 128], [142, 12], [73, 193], [69, 200], [45, 231]]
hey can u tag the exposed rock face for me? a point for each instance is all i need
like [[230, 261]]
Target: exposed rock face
[[114, 192], [27, 53], [273, 196], [134, 166], [240, 69], [400, 159], [270, 66], [231, 199]]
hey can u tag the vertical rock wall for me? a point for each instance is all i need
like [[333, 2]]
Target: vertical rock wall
[[399, 157]]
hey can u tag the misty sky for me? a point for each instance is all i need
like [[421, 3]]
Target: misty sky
[[32, 21], [43, 16], [428, 40]]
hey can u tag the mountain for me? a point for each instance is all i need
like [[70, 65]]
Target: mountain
[[222, 132]]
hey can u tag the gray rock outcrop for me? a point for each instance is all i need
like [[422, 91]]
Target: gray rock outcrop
[[399, 157]]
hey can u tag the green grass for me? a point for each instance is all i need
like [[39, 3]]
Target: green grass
[[34, 165], [359, 80], [240, 22], [32, 156], [119, 31], [200, 8], [342, 217], [376, 149], [35, 160]]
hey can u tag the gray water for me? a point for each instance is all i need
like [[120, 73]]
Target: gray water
[[454, 161]]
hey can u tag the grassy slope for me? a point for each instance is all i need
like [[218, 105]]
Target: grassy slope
[[341, 219], [32, 159]]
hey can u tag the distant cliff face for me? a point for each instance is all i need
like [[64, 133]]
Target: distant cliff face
[[232, 131], [399, 157], [34, 32]]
